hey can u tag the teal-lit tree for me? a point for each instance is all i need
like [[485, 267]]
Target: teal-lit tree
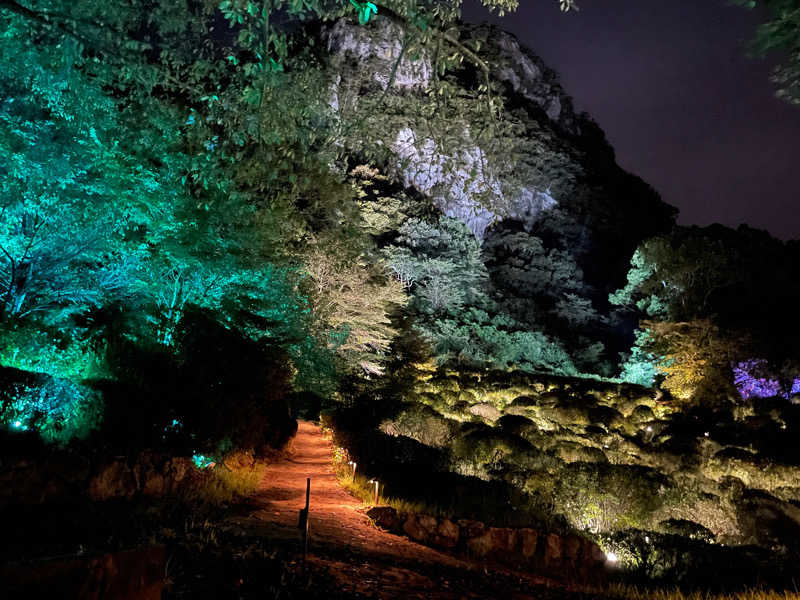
[[164, 158]]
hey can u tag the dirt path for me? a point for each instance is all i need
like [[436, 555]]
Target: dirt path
[[363, 559]]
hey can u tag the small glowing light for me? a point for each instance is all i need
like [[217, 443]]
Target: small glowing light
[[203, 462], [18, 424], [649, 429], [611, 558], [647, 539], [706, 434]]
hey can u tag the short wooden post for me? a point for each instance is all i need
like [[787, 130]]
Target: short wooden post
[[302, 523]]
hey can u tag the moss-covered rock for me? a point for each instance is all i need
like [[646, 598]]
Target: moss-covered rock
[[571, 452], [603, 497], [420, 423], [608, 457], [485, 411]]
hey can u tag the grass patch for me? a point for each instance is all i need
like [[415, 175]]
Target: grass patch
[[237, 476], [363, 488], [627, 592]]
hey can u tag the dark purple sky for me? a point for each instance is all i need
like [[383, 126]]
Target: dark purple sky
[[670, 83]]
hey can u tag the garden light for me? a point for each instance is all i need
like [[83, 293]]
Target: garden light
[[375, 481]]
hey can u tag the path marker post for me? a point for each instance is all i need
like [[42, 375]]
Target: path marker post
[[375, 481], [302, 523]]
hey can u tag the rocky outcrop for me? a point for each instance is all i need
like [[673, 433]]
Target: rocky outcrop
[[460, 157], [565, 555]]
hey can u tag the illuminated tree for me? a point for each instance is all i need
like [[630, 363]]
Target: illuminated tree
[[159, 164], [711, 297], [356, 300], [677, 277], [441, 264], [442, 261], [694, 357]]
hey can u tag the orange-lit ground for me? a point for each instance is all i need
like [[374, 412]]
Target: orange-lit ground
[[362, 558]]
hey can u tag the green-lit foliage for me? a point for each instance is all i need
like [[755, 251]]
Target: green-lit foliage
[[710, 296], [57, 409], [365, 9], [640, 366], [65, 352], [441, 263], [497, 343], [201, 461], [672, 280], [677, 277], [71, 195], [159, 168], [121, 210]]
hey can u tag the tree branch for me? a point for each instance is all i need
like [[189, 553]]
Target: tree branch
[[45, 19], [441, 35]]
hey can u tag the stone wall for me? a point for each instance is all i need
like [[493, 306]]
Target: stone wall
[[561, 555]]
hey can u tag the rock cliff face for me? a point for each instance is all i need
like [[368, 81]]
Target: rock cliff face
[[536, 183], [538, 158]]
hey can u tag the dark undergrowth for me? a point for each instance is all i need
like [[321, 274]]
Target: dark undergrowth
[[416, 473], [204, 559]]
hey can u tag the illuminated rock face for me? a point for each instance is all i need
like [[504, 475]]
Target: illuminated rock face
[[427, 170], [528, 76], [542, 157], [555, 218], [382, 44]]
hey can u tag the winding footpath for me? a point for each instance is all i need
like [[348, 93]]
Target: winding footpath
[[366, 561]]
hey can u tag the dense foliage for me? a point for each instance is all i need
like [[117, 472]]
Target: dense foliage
[[709, 299], [443, 265], [175, 158], [168, 163]]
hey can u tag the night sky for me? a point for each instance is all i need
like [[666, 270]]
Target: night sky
[[671, 84]]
